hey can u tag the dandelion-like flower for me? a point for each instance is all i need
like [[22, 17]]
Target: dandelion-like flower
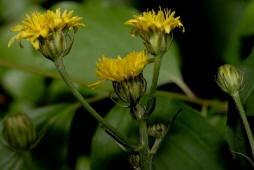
[[125, 74], [154, 27], [163, 21], [120, 69], [41, 26]]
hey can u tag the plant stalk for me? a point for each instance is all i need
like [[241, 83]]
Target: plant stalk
[[113, 132], [156, 72], [144, 153], [239, 105], [27, 160]]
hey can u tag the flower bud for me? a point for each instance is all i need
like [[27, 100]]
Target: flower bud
[[135, 161], [157, 44], [158, 130], [57, 45], [130, 90], [229, 79], [19, 132]]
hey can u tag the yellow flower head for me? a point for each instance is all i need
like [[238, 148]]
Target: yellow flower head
[[120, 69], [163, 21], [42, 25]]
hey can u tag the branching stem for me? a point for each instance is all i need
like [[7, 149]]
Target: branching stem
[[105, 124]]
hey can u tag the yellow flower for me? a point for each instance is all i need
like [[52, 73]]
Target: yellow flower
[[120, 69], [42, 25], [163, 21]]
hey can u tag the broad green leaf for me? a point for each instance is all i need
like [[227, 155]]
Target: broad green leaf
[[247, 23], [192, 143], [24, 86], [242, 29], [247, 94], [83, 163], [11, 9], [51, 153]]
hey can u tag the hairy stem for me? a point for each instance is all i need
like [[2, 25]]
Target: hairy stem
[[239, 105], [156, 72], [105, 124], [145, 156]]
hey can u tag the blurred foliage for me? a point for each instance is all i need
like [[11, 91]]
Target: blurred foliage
[[195, 142]]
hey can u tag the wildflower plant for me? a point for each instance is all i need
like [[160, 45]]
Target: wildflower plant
[[48, 32], [52, 34]]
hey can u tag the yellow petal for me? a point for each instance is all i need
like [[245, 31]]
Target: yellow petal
[[11, 41]]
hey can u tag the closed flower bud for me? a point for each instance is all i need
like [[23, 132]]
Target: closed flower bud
[[135, 161], [57, 45], [158, 130], [130, 90], [19, 132], [229, 79]]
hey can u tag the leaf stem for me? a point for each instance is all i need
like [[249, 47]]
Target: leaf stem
[[105, 124], [239, 105]]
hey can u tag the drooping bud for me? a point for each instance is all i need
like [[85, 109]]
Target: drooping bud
[[57, 45], [19, 132], [130, 90], [135, 161], [229, 79], [158, 130]]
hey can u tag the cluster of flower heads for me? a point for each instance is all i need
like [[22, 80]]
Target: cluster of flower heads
[[42, 25], [163, 21]]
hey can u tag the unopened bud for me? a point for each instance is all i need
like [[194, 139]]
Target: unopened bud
[[229, 79], [158, 130], [19, 132], [130, 90], [135, 161], [57, 45]]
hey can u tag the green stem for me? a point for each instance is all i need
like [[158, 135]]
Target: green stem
[[156, 72], [27, 160], [156, 145], [105, 124], [145, 156], [239, 105]]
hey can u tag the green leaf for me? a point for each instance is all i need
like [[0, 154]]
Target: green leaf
[[52, 121], [83, 163], [247, 94], [23, 86], [192, 143], [52, 151], [242, 29], [247, 23]]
